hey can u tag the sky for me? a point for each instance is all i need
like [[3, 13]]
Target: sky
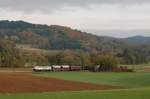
[[118, 18]]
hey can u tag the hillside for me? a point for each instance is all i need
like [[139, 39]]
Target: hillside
[[56, 37], [138, 40]]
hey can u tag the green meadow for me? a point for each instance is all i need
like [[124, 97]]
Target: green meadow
[[134, 85], [125, 80], [118, 94]]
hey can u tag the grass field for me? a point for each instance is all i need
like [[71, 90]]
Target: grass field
[[126, 80], [140, 67], [135, 86], [121, 94]]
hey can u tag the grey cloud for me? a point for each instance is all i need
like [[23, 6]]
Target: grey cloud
[[50, 5]]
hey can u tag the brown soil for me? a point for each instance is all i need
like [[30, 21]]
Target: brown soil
[[146, 69], [26, 83]]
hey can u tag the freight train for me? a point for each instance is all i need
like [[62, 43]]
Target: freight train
[[57, 68]]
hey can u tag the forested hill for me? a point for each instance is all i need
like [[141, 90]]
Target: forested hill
[[57, 37], [138, 40], [65, 43]]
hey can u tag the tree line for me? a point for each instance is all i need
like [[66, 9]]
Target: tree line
[[10, 56]]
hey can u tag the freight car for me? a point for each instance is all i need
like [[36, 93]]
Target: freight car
[[75, 68], [57, 68], [65, 68], [42, 68]]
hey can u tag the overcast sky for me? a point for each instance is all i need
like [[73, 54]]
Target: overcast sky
[[120, 18]]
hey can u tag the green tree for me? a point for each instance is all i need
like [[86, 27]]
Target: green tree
[[106, 62]]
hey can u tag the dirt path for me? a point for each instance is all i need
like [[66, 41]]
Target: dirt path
[[26, 83]]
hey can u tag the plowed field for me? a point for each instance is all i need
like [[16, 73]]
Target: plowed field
[[26, 83]]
